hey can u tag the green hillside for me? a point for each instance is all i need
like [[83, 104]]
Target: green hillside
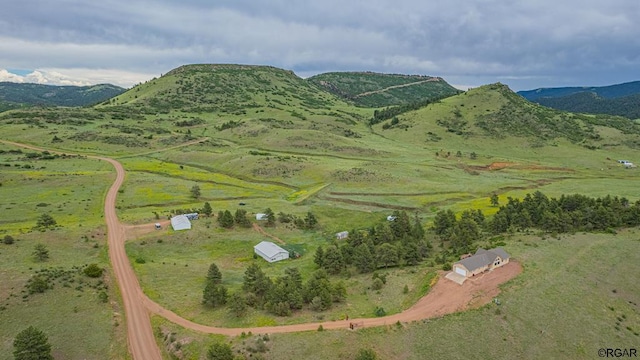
[[228, 90], [50, 95], [370, 89]]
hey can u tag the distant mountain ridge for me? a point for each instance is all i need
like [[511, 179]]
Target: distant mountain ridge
[[620, 99], [606, 92], [370, 89], [15, 95]]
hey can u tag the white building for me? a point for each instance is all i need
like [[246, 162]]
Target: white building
[[270, 251], [180, 222], [261, 216], [342, 235]]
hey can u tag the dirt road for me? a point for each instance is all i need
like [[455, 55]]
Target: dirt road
[[444, 298], [142, 343]]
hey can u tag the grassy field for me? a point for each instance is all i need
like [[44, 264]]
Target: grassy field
[[577, 294], [186, 256]]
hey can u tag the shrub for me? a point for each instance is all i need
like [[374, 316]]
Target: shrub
[[8, 239], [93, 271]]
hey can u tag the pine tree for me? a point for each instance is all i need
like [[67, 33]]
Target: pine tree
[[206, 209], [32, 344], [318, 259], [214, 275]]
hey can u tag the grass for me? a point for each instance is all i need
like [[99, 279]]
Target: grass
[[77, 323], [187, 255]]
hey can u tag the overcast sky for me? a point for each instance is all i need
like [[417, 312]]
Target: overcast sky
[[524, 44]]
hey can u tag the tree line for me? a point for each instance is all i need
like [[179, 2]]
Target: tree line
[[566, 214], [393, 111]]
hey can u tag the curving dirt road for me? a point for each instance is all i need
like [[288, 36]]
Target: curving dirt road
[[445, 297]]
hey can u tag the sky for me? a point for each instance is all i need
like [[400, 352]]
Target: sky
[[524, 44]]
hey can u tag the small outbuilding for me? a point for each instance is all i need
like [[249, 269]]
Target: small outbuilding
[[342, 235], [261, 216], [192, 216], [180, 222], [482, 261], [270, 251], [391, 218]]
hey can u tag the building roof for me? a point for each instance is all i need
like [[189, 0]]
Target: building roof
[[180, 222], [269, 249], [483, 258]]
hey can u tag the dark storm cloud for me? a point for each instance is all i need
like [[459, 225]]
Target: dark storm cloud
[[523, 44]]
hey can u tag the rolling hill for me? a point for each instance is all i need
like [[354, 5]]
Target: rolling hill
[[369, 89], [15, 95], [620, 99]]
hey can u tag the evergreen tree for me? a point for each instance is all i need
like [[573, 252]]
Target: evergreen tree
[[256, 281], [363, 259], [214, 275], [32, 344], [310, 221], [206, 209], [494, 200], [387, 255], [195, 191], [271, 217], [46, 221], [417, 231], [318, 291], [214, 295], [40, 252], [333, 260], [241, 218], [225, 219], [238, 304], [318, 259], [443, 223]]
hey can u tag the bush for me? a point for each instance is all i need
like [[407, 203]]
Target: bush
[[93, 271], [377, 284], [446, 267], [379, 312], [8, 239]]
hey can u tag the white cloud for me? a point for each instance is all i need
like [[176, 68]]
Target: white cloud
[[10, 77], [528, 44]]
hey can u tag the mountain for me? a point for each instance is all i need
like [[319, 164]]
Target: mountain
[[226, 89], [606, 92], [369, 89], [620, 99], [15, 95]]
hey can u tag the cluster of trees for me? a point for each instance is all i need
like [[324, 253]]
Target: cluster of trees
[[387, 244], [287, 293], [391, 112], [226, 220], [309, 222], [569, 213], [462, 232], [280, 296]]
